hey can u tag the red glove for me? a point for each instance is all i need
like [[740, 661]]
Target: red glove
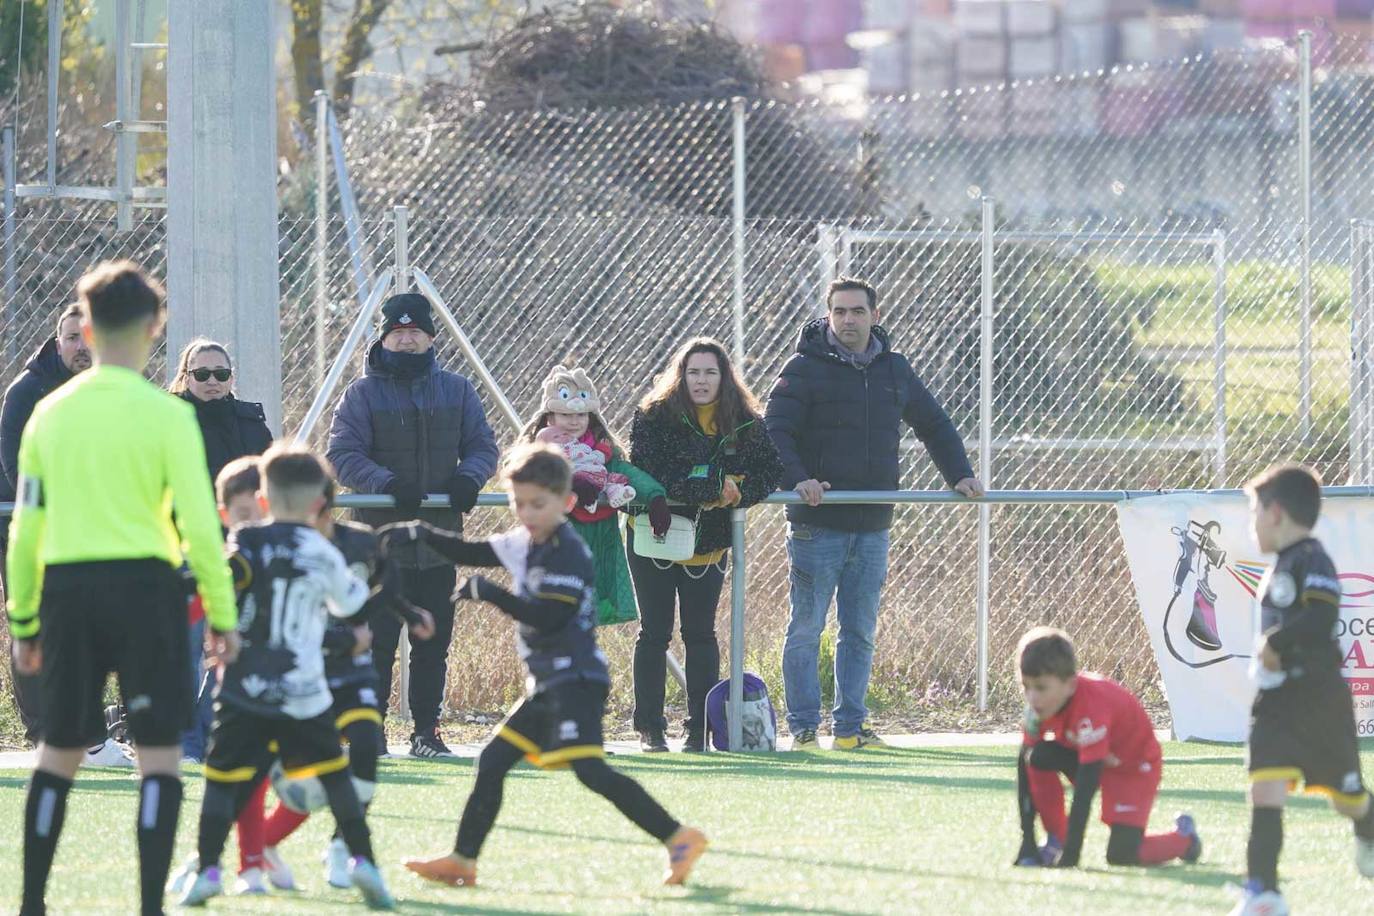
[[660, 519]]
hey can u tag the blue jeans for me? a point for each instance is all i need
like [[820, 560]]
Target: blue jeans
[[203, 683], [851, 567]]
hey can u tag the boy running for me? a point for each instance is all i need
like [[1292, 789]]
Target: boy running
[[1095, 732], [290, 581], [354, 685], [94, 586], [558, 724], [1302, 725]]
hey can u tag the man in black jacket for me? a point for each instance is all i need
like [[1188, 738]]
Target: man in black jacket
[[59, 358], [835, 415]]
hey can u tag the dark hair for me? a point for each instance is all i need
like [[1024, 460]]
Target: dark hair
[[1297, 488], [734, 405], [538, 464], [238, 477], [595, 425], [116, 294], [1046, 651], [191, 351], [71, 311], [841, 284], [294, 474]]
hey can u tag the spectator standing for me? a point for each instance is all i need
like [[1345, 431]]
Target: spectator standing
[[405, 429], [835, 414], [700, 433]]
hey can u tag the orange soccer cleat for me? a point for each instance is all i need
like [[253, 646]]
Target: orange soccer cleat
[[684, 848], [452, 869]]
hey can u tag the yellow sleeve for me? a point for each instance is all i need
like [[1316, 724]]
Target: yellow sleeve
[[184, 455], [24, 563]]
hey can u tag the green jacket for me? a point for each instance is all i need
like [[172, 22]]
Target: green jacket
[[615, 596]]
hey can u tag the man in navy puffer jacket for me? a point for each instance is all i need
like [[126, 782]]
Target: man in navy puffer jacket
[[836, 416], [408, 428]]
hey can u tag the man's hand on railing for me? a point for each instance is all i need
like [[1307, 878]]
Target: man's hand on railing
[[971, 487], [812, 490], [408, 495]]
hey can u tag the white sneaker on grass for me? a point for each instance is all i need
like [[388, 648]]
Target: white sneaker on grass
[[206, 885], [367, 879], [184, 876], [278, 872], [251, 881], [336, 865], [1261, 903]]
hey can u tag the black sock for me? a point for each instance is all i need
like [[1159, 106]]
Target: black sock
[[217, 811], [1266, 841], [348, 814], [44, 812], [479, 814], [628, 796], [159, 806], [1364, 826]]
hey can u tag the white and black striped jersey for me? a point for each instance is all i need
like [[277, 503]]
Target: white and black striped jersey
[[290, 582]]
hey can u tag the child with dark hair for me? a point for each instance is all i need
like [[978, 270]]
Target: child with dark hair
[[558, 723], [1302, 726], [1096, 733]]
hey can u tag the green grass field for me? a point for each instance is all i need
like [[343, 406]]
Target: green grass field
[[924, 830]]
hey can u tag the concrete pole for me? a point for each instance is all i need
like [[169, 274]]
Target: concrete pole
[[222, 194]]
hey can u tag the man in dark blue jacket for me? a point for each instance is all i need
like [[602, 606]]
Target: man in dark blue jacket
[[835, 415], [58, 359], [408, 428]]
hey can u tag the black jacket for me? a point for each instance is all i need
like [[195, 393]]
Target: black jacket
[[231, 429], [43, 374], [427, 429], [669, 448], [837, 423]]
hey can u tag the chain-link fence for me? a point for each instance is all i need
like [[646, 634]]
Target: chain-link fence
[[1148, 281]]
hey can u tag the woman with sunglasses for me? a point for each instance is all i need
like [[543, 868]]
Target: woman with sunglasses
[[231, 428]]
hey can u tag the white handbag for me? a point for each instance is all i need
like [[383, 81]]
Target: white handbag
[[680, 543]]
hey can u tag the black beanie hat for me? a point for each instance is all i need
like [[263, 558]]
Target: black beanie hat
[[407, 310]]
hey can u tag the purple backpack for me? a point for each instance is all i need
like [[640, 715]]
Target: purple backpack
[[760, 722]]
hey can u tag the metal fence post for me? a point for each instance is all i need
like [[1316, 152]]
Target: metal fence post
[[1361, 357], [1219, 358], [54, 75], [738, 202], [1305, 242], [10, 252], [985, 396], [735, 701], [321, 235], [401, 246], [125, 140]]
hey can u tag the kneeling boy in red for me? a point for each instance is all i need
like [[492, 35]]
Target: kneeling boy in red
[[1095, 732], [558, 723]]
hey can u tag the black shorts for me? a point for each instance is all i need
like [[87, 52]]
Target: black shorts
[[558, 725], [355, 703], [1306, 734], [122, 616], [244, 744]]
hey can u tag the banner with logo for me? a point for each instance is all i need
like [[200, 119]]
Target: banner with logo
[[1197, 573]]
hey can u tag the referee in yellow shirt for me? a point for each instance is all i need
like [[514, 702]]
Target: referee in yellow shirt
[[93, 581]]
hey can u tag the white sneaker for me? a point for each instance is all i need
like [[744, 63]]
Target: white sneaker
[[109, 754], [206, 885], [1364, 857], [252, 881], [184, 877], [1265, 903], [367, 879], [278, 872], [336, 865]]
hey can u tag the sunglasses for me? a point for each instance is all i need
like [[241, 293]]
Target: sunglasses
[[203, 375]]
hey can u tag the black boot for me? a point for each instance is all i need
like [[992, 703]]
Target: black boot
[[695, 744], [653, 741]]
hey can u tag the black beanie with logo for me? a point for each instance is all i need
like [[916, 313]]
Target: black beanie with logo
[[407, 310]]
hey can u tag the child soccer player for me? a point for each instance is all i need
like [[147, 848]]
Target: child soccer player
[[558, 723], [353, 683], [1101, 739], [290, 579], [1302, 725]]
